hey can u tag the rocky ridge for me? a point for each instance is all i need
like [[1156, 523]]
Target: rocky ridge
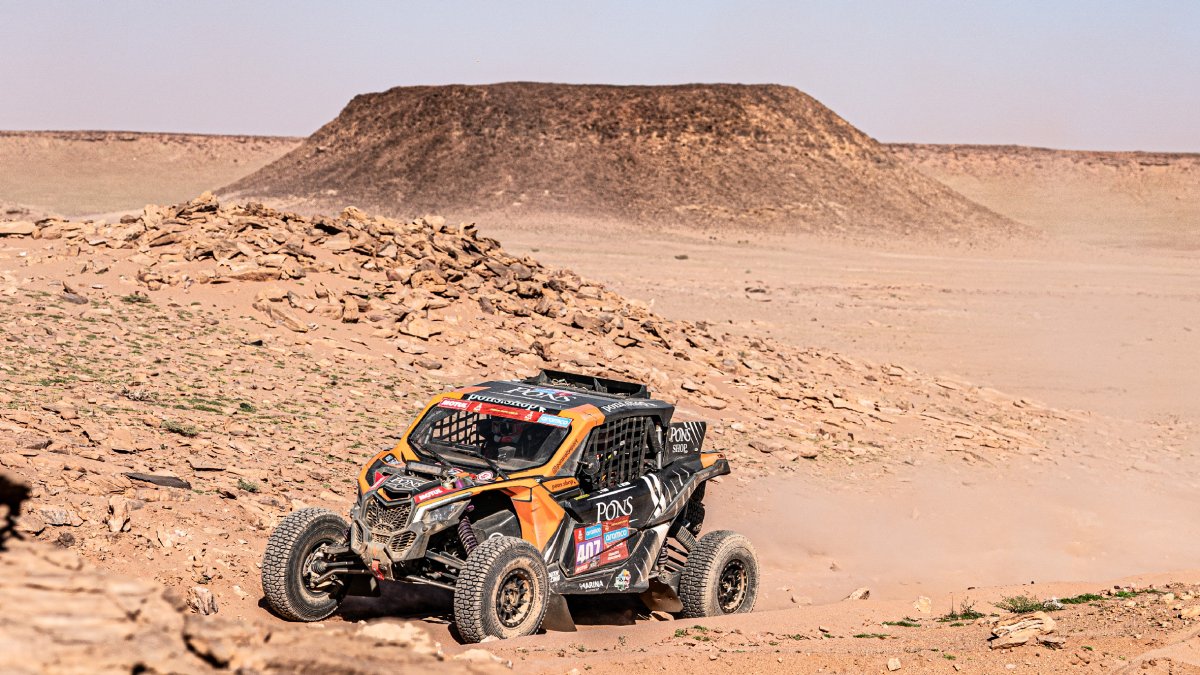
[[179, 380]]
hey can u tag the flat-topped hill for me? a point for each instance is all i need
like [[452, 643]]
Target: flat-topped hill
[[710, 154]]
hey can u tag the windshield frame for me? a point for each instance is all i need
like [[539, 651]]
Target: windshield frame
[[467, 455]]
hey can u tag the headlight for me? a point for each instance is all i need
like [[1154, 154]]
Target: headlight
[[442, 514]]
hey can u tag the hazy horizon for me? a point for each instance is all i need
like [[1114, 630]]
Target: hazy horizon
[[1068, 75]]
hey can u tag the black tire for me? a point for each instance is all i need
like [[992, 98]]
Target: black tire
[[288, 549], [720, 576], [694, 514], [502, 590]]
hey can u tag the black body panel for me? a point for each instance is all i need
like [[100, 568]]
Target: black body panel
[[612, 538]]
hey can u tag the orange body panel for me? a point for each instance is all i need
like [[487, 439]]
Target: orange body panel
[[536, 509], [538, 513]]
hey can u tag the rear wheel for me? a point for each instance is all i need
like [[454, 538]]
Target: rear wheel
[[502, 590], [720, 576], [299, 541]]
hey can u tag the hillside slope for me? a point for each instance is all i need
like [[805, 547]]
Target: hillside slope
[[748, 155]]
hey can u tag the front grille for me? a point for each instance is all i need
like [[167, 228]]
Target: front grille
[[387, 518], [386, 523], [402, 543]]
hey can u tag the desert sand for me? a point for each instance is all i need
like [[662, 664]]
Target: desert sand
[[75, 173], [980, 419]]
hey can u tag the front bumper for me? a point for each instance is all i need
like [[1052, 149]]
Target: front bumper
[[387, 534]]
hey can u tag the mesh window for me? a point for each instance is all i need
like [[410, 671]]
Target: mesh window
[[464, 437], [460, 428], [619, 451]]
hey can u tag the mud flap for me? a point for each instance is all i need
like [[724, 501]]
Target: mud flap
[[558, 615], [661, 598]]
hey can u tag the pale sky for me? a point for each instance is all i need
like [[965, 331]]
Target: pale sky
[[1083, 74]]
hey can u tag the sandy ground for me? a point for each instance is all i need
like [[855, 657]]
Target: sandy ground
[[1117, 199], [1106, 635], [79, 172], [1077, 326], [1107, 330]]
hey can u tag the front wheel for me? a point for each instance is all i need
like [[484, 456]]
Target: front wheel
[[720, 576], [502, 590], [288, 579]]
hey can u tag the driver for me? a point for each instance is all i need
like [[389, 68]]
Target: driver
[[530, 443], [506, 439]]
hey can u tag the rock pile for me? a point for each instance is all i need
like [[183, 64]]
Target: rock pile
[[61, 615], [425, 280]]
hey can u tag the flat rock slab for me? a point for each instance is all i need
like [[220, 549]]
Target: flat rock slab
[[162, 481]]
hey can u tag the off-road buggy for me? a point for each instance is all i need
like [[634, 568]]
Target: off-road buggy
[[513, 494]]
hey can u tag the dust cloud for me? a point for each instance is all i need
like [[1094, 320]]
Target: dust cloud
[[936, 529]]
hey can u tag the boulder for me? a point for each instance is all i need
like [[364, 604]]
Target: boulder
[[18, 228], [1020, 629]]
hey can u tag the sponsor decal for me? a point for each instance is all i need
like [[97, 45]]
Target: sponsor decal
[[554, 421], [404, 483], [589, 532], [614, 508], [621, 582], [560, 484], [430, 494], [628, 404], [591, 585], [505, 402], [615, 554], [586, 554], [390, 459], [615, 536], [509, 410], [378, 478], [601, 543], [542, 394], [616, 523], [680, 434], [555, 576], [563, 455], [684, 438], [485, 477]]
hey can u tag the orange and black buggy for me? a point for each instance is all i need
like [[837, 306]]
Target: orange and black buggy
[[513, 494]]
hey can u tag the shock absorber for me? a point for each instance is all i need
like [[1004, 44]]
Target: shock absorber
[[685, 537], [466, 534]]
